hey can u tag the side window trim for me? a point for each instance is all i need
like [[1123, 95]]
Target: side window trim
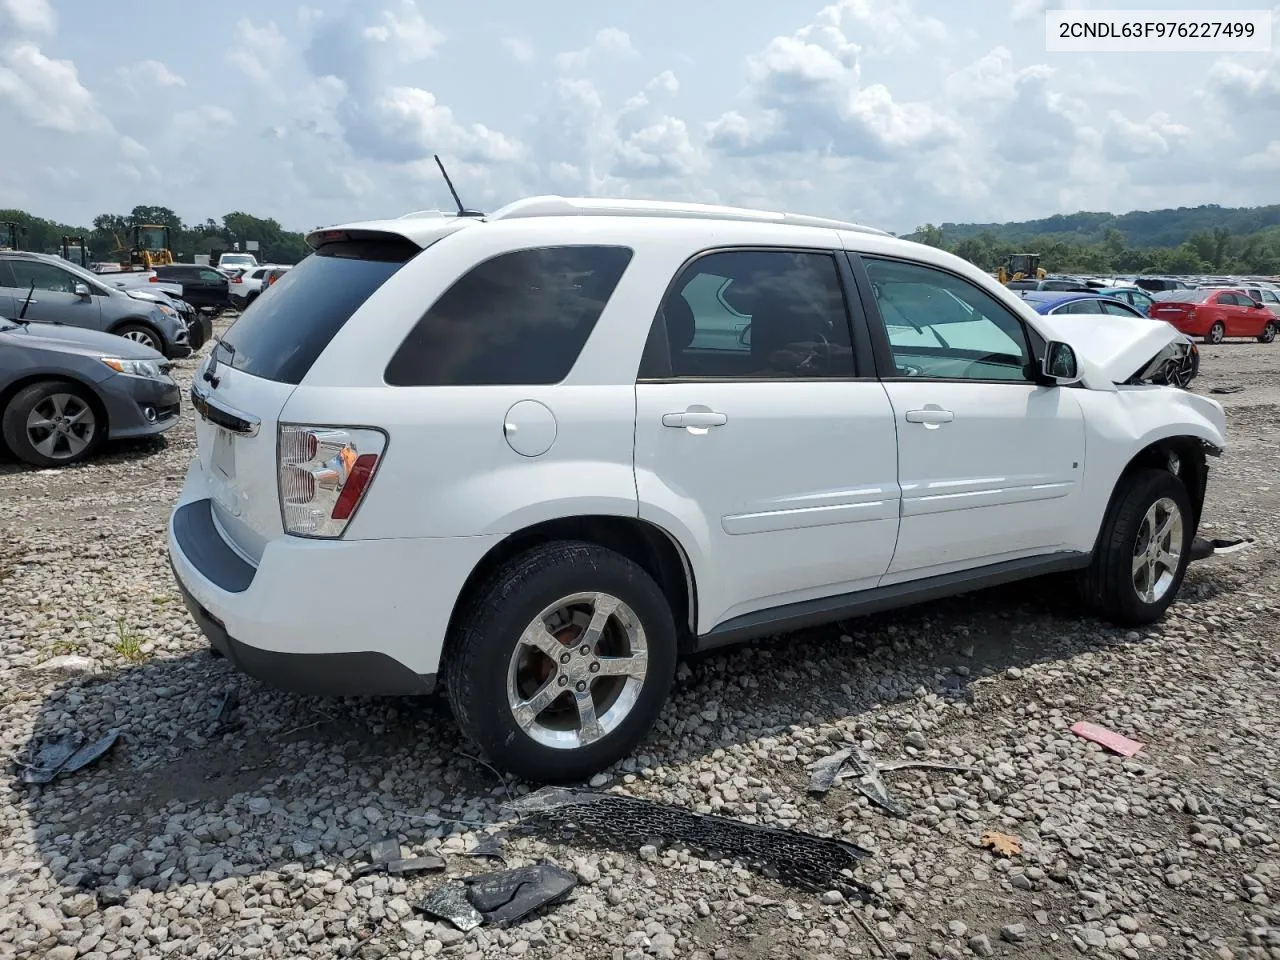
[[886, 367], [655, 360]]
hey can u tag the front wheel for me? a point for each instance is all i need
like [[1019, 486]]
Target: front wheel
[[1143, 550], [562, 662], [1268, 332], [1217, 333], [140, 334], [52, 424]]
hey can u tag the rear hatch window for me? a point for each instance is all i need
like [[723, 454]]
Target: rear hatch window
[[286, 329]]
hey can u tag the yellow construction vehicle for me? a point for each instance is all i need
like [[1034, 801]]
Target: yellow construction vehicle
[[1021, 266], [150, 249]]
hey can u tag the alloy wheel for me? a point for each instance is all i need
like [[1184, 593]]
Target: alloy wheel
[[577, 670], [1157, 551], [61, 426]]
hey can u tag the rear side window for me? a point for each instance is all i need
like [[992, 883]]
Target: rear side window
[[282, 333], [520, 318]]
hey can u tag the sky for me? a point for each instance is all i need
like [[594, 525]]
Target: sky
[[892, 113]]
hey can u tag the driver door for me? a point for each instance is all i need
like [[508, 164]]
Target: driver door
[[53, 298], [989, 462]]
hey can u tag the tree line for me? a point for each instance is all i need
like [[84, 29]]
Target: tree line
[[111, 234], [1186, 240]]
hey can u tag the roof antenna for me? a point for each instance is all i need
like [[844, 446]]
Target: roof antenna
[[462, 211]]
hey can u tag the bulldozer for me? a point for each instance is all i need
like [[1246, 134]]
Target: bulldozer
[[74, 250], [150, 248], [1021, 266]]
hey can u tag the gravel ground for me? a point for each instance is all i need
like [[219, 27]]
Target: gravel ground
[[192, 839]]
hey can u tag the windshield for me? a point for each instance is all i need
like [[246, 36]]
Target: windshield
[[236, 258], [1186, 296], [7, 324]]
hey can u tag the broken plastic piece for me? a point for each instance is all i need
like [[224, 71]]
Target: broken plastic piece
[[872, 786], [1000, 844], [826, 770], [1202, 548], [384, 850], [450, 903], [414, 865], [508, 896], [1234, 388], [224, 712], [65, 754], [1113, 741], [801, 859], [490, 846]]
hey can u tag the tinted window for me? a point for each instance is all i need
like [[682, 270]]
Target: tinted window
[[46, 276], [522, 317], [6, 276], [1229, 300], [942, 326], [280, 336], [757, 314], [1269, 296], [212, 275], [1117, 309], [1080, 306]]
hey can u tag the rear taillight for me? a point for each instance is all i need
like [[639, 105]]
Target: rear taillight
[[324, 473], [235, 279], [153, 279]]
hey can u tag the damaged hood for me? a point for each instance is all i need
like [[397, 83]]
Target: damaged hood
[[1117, 347]]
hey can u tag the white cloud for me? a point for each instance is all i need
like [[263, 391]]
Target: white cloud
[[258, 49], [520, 50], [145, 76], [607, 45], [29, 16], [1267, 159], [405, 32], [48, 93]]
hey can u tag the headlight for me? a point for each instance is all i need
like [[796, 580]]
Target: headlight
[[167, 311], [151, 369]]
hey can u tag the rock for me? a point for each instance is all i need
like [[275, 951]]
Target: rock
[[259, 806], [981, 945], [1093, 937], [70, 664], [832, 897], [1013, 932]]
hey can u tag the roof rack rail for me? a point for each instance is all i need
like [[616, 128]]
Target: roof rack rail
[[554, 206]]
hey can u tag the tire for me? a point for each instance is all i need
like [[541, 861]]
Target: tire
[[1268, 333], [488, 667], [1217, 333], [1111, 584], [53, 446], [140, 333]]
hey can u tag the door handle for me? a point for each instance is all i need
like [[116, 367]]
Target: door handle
[[25, 300], [695, 418], [930, 417]]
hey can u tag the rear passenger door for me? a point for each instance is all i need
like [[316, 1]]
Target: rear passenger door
[[989, 461], [762, 437]]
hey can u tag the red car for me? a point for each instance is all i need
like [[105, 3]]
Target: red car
[[1216, 315]]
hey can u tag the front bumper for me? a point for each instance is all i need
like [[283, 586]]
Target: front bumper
[[358, 617], [140, 406]]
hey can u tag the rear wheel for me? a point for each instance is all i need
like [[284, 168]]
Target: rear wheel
[[1269, 332], [141, 334], [52, 424], [562, 662], [1217, 333], [1143, 551]]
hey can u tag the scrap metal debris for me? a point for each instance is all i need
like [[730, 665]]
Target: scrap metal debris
[[826, 771], [489, 846], [1000, 844], [450, 903], [802, 859], [1234, 388], [64, 754], [508, 896], [499, 899], [224, 714], [1109, 739], [385, 855]]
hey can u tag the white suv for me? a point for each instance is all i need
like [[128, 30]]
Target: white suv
[[542, 454]]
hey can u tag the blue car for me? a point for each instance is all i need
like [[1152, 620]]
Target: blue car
[[1179, 370]]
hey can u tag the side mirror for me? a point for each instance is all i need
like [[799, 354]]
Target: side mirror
[[1060, 363], [82, 290]]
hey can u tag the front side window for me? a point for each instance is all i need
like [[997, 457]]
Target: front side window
[[520, 318], [1080, 306], [944, 327], [1116, 309], [753, 314], [211, 275], [45, 275]]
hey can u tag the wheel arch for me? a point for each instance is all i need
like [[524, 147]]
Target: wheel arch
[[650, 546], [137, 322], [1183, 455], [11, 390]]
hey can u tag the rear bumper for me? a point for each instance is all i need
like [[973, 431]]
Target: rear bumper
[[358, 617]]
